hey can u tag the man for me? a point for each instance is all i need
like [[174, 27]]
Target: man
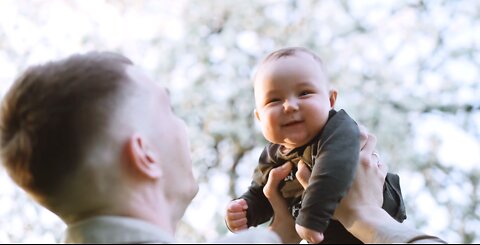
[[94, 140]]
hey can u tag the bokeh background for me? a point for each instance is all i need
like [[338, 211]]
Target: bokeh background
[[407, 70]]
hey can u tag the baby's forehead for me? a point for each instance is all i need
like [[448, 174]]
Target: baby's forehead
[[270, 65]]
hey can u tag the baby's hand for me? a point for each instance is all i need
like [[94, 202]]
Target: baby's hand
[[309, 235], [236, 217]]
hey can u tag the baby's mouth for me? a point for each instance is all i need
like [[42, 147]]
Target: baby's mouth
[[292, 123]]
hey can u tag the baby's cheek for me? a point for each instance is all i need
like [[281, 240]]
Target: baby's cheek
[[270, 135]]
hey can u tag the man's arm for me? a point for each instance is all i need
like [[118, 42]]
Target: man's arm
[[374, 225], [360, 210]]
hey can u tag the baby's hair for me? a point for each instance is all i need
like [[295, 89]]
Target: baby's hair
[[286, 52]]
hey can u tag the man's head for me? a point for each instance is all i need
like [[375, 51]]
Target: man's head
[[292, 96], [88, 134]]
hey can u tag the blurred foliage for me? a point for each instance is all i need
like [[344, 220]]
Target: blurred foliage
[[407, 70]]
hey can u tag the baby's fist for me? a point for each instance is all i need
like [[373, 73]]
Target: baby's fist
[[236, 217], [309, 235]]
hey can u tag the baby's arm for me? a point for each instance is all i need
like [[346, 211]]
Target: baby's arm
[[259, 209], [252, 207], [309, 235], [335, 164]]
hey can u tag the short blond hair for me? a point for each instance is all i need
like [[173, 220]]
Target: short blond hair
[[286, 52], [53, 112]]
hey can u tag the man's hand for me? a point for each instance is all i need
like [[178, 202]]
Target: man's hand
[[236, 217], [283, 223]]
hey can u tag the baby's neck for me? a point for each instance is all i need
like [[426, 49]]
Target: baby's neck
[[285, 150]]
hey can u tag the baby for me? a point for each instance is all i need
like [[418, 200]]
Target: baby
[[294, 105]]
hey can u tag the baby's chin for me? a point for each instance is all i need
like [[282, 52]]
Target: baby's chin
[[291, 143]]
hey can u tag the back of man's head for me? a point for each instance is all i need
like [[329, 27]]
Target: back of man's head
[[53, 114]]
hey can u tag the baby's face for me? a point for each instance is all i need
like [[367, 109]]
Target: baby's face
[[292, 99]]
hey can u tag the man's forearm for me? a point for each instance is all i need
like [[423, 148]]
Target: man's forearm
[[374, 225]]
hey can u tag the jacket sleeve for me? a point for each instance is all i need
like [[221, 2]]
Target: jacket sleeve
[[336, 159], [259, 209], [392, 198]]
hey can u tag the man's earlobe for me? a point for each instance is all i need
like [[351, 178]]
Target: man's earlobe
[[142, 158]]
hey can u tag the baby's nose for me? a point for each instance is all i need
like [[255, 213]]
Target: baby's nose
[[290, 105]]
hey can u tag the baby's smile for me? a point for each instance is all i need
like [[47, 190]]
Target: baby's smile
[[292, 123]]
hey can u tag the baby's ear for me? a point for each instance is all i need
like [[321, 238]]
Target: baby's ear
[[333, 97], [257, 116]]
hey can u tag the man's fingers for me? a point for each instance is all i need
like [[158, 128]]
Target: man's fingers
[[303, 174], [274, 177], [283, 223], [363, 135], [383, 169], [370, 144], [367, 151], [271, 191], [278, 174]]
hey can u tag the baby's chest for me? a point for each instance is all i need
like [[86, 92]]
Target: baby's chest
[[292, 187]]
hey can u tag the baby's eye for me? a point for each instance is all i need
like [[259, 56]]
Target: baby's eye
[[306, 92], [273, 100]]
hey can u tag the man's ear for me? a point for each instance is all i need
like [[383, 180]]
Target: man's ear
[[255, 112], [142, 159], [333, 97]]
